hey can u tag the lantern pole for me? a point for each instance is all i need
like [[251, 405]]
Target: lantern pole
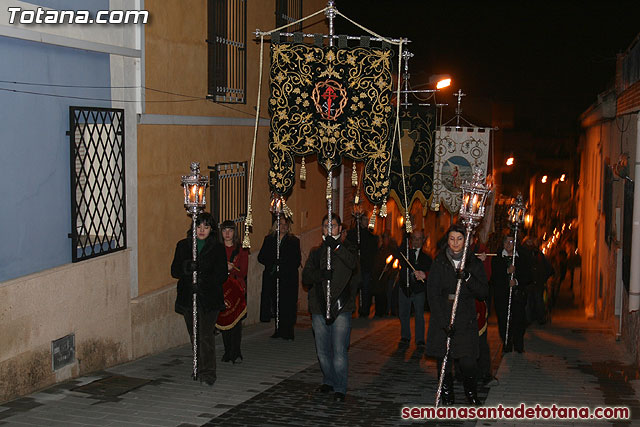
[[194, 186], [474, 195], [516, 217]]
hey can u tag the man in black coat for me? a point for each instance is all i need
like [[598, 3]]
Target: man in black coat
[[367, 248], [412, 285], [501, 281], [332, 335], [211, 266], [282, 301]]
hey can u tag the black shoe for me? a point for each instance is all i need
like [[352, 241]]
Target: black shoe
[[324, 388], [208, 379], [276, 334], [447, 397], [287, 337], [237, 360], [226, 358], [338, 397], [471, 391]]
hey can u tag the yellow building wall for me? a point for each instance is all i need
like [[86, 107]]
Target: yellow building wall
[[176, 61]]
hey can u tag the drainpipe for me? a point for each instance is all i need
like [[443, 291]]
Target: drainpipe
[[634, 285]]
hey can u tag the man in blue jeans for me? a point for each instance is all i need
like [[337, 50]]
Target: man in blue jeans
[[332, 334], [413, 284]]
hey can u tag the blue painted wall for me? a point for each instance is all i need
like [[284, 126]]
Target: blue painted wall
[[35, 211], [92, 5]]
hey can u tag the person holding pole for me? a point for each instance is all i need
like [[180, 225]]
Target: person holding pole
[[441, 288], [211, 265], [332, 334], [507, 277]]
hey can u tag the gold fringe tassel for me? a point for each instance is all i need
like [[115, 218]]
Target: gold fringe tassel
[[303, 171], [372, 220], [329, 189], [408, 224], [383, 209], [248, 222], [286, 210], [354, 176]]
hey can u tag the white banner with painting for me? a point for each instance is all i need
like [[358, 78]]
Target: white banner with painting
[[457, 152]]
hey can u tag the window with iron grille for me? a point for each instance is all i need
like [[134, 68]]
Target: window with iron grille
[[288, 11], [227, 53], [98, 207], [229, 192]]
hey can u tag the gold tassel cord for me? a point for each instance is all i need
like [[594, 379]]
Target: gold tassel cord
[[246, 242], [354, 176], [248, 222], [303, 171], [372, 220]]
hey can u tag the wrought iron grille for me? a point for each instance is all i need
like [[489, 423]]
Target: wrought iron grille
[[288, 11], [98, 220], [227, 53], [229, 191]]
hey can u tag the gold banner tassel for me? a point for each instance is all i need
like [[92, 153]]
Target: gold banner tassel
[[329, 189], [303, 171], [372, 220], [408, 224], [354, 176], [383, 209]]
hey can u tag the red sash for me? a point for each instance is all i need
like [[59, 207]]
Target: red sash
[[235, 303], [481, 314]]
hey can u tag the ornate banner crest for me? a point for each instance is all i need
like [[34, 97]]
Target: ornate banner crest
[[417, 135], [457, 153], [332, 102]]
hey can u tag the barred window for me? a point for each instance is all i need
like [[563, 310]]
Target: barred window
[[227, 53], [98, 223], [229, 191], [288, 11]]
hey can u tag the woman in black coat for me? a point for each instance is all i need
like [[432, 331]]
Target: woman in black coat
[[211, 266], [441, 289], [287, 301]]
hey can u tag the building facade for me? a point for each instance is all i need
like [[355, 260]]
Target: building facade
[[99, 124]]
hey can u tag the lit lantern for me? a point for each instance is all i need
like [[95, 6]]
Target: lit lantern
[[194, 186], [474, 196]]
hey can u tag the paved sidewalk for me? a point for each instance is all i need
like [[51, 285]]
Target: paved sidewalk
[[569, 362]]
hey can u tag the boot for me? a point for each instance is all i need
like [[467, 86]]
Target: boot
[[471, 391], [446, 394]]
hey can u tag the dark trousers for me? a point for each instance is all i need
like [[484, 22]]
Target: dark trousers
[[517, 323], [484, 360], [365, 295], [287, 312], [232, 339], [206, 342], [466, 366]]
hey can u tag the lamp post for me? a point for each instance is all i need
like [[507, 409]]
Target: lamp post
[[194, 187], [516, 217], [474, 196]]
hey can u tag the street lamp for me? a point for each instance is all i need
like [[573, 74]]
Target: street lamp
[[194, 187], [509, 161], [544, 179], [474, 196], [440, 80]]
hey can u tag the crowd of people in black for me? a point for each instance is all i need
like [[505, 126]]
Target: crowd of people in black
[[352, 270]]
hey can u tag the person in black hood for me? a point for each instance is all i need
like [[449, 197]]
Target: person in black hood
[[211, 265], [441, 288]]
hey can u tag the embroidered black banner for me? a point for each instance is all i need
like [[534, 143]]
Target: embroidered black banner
[[333, 102], [417, 131]]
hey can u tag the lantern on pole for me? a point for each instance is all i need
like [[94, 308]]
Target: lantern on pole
[[474, 196], [516, 215], [194, 187]]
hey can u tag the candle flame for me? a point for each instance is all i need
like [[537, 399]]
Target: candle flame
[[389, 259], [395, 264]]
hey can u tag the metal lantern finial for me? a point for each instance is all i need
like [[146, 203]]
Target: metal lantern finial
[[517, 211], [195, 186], [474, 195]]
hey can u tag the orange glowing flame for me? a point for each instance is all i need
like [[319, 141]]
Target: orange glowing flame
[[395, 264], [389, 259]]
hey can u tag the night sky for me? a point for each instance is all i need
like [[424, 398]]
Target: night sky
[[547, 60]]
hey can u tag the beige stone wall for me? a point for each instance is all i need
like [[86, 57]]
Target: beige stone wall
[[89, 299]]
